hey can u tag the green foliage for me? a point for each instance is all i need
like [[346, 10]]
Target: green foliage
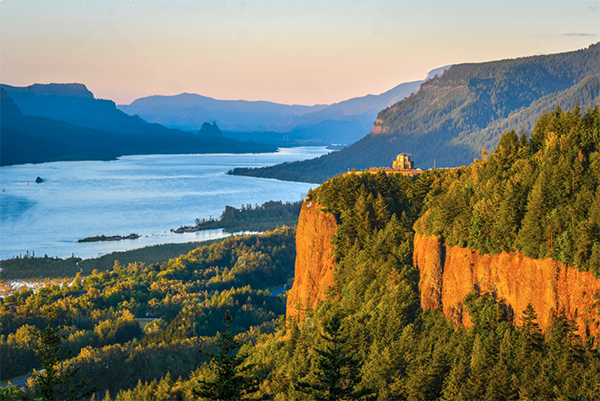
[[181, 301], [265, 217], [337, 375], [539, 196], [402, 352], [229, 376], [55, 381], [29, 266]]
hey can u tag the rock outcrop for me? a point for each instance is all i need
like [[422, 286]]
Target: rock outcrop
[[447, 275], [314, 260], [209, 130]]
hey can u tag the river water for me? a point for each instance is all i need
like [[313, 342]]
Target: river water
[[146, 195]]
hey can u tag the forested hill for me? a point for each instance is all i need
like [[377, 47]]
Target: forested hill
[[452, 116]]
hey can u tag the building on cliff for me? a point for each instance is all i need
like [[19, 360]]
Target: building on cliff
[[403, 162]]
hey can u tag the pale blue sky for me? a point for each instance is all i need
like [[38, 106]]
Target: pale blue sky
[[305, 52]]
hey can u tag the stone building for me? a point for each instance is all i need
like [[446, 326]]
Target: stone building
[[403, 162]]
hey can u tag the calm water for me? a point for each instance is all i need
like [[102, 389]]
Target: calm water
[[147, 195]]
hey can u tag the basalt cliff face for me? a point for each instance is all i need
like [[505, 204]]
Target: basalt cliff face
[[447, 275], [314, 260]]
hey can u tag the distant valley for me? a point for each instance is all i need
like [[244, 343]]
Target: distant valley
[[284, 125], [63, 122]]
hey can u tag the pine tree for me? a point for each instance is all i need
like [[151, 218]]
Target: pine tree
[[529, 358], [56, 380], [163, 391], [231, 379], [107, 396], [531, 330], [531, 233], [504, 231], [500, 385], [338, 368], [382, 215], [479, 372], [456, 385]]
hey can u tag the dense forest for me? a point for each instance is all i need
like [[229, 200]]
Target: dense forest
[[180, 303], [538, 195], [369, 338], [267, 216], [453, 115]]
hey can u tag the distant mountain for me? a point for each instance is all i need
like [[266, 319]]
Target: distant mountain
[[348, 121], [189, 111], [340, 123], [363, 109], [29, 139], [75, 104], [453, 115], [33, 139]]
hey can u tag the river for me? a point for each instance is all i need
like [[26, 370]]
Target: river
[[147, 195]]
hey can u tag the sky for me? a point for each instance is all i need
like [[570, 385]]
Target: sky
[[293, 52]]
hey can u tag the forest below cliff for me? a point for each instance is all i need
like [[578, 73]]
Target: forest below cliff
[[369, 338]]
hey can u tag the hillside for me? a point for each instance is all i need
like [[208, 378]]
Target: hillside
[[363, 110], [453, 115], [437, 299], [36, 139]]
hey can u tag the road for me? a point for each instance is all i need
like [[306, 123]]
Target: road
[[19, 383], [278, 291]]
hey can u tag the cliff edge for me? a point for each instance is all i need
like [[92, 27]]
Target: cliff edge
[[447, 275], [314, 260]]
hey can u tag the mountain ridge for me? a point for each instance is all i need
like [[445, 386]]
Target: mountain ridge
[[462, 102], [30, 138], [342, 122]]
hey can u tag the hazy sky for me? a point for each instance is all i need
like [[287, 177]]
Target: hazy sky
[[296, 52]]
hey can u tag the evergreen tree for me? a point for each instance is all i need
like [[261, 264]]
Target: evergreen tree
[[55, 381], [230, 374], [531, 234], [529, 358], [382, 215], [338, 375], [163, 391]]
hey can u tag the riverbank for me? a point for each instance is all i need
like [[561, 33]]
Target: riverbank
[[146, 195], [30, 268]]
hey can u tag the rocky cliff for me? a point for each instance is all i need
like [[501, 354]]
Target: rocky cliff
[[448, 274], [314, 259]]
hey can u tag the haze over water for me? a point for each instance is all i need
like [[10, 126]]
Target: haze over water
[[147, 195]]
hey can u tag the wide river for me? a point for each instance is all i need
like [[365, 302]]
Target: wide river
[[146, 195]]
